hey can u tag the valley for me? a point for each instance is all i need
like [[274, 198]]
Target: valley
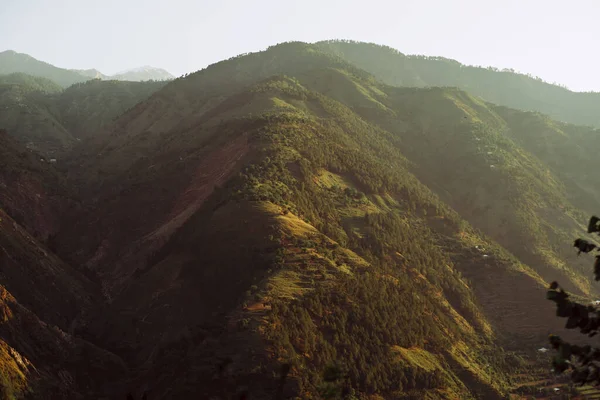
[[253, 225]]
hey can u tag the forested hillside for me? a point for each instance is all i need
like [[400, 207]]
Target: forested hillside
[[503, 87], [13, 62], [259, 224], [87, 107], [50, 120]]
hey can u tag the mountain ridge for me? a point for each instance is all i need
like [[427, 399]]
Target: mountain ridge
[[14, 62], [396, 68], [295, 122], [142, 73], [502, 87], [49, 119], [287, 209]]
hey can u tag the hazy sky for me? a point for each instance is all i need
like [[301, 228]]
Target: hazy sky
[[556, 40]]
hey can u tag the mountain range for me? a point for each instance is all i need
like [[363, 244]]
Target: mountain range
[[13, 62], [140, 74], [255, 225]]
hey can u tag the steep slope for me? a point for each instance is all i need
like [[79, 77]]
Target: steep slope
[[373, 225], [28, 112], [503, 87], [569, 151], [46, 286], [500, 188], [41, 297], [180, 105], [284, 208], [176, 297], [11, 62], [51, 120], [160, 141], [40, 300], [314, 178], [31, 190], [140, 74], [87, 107]]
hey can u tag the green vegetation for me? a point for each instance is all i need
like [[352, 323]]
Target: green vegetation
[[24, 83], [567, 150], [581, 360], [284, 224], [86, 107], [355, 272], [28, 112], [11, 62], [384, 231], [50, 120], [504, 87], [357, 207]]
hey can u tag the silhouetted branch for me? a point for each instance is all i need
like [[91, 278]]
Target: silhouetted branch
[[583, 361]]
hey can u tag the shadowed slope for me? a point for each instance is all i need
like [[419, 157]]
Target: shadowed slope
[[42, 116], [31, 190], [37, 356]]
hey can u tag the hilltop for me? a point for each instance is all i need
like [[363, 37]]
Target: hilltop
[[503, 87], [288, 208], [13, 62]]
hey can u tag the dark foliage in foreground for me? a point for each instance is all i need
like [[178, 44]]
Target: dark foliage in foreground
[[582, 361]]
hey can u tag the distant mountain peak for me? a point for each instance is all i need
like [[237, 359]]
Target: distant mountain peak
[[12, 61], [14, 53], [139, 69], [143, 73], [92, 73]]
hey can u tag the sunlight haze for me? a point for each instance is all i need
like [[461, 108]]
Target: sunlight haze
[[551, 39]]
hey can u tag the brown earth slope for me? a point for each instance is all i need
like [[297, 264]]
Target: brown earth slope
[[31, 190], [38, 357]]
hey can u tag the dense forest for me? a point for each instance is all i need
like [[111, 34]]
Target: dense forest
[[51, 120], [310, 221]]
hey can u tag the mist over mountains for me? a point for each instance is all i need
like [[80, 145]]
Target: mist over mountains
[[13, 62]]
